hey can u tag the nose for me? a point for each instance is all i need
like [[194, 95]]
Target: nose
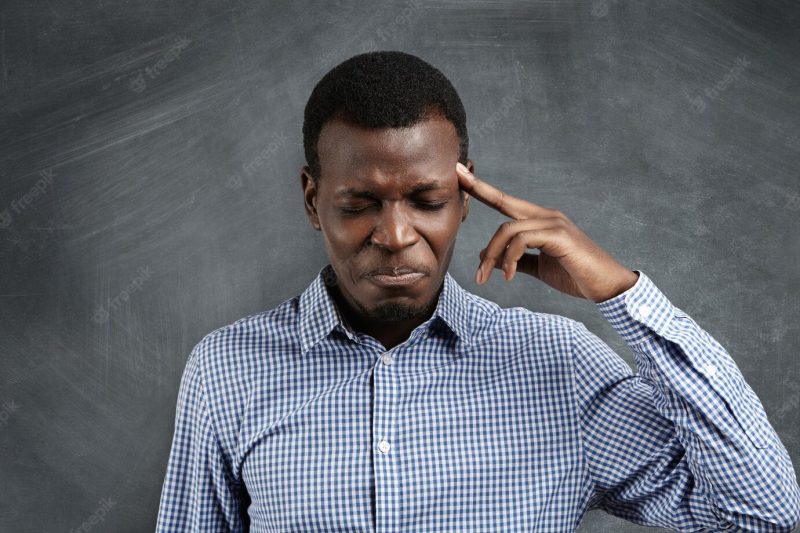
[[394, 230]]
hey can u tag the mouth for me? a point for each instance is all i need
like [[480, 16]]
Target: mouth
[[402, 278]]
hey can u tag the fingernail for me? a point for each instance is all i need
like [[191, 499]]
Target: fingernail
[[478, 275], [462, 168]]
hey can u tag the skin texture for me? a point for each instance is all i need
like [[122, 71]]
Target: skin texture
[[396, 227], [569, 260]]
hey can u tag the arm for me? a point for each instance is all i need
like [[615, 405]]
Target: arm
[[199, 493], [684, 443]]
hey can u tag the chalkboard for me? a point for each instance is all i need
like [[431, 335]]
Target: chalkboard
[[150, 193]]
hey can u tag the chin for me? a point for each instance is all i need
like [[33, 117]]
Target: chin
[[395, 312]]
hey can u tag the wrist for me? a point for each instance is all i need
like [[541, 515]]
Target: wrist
[[627, 280]]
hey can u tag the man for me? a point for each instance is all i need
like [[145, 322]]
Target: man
[[386, 397]]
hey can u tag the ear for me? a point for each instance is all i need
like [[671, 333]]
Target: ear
[[465, 206], [310, 197]]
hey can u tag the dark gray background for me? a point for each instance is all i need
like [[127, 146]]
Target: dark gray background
[[150, 193]]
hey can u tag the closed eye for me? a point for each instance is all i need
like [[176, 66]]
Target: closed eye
[[428, 206], [431, 206]]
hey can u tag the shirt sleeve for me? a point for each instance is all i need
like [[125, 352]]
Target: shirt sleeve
[[199, 493], [683, 443]]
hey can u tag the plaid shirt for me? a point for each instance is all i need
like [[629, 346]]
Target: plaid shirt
[[484, 419]]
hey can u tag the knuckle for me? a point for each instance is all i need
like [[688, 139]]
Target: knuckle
[[561, 232], [501, 200]]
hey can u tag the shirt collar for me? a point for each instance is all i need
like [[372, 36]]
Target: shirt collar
[[319, 315]]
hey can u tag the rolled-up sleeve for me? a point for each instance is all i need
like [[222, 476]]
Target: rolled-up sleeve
[[199, 493], [683, 443]]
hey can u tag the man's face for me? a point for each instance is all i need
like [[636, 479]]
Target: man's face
[[387, 198]]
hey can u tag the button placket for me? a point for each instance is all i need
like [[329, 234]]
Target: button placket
[[384, 446], [709, 370], [386, 383]]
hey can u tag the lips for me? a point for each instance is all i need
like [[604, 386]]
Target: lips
[[394, 271], [396, 277]]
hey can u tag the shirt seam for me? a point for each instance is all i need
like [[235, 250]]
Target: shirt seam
[[214, 432], [593, 484]]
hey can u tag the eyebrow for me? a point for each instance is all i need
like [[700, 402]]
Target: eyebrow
[[363, 193]]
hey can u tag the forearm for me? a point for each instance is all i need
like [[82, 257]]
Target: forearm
[[735, 455]]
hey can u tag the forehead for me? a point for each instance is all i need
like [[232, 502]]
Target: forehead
[[352, 155]]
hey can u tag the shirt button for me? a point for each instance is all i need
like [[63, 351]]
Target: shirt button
[[644, 310], [384, 446], [387, 358], [710, 370]]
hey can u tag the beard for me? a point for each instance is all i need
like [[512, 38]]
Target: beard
[[387, 312], [394, 311]]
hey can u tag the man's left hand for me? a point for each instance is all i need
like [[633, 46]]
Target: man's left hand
[[568, 260]]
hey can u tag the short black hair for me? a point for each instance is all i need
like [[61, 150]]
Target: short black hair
[[381, 89]]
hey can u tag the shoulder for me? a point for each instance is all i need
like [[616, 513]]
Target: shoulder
[[520, 324], [236, 351], [230, 364], [264, 327]]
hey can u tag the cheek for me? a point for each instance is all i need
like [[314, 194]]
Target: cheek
[[445, 223], [345, 238]]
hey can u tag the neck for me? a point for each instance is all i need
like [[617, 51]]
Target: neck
[[389, 333]]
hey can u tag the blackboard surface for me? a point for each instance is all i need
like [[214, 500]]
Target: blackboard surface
[[150, 193]]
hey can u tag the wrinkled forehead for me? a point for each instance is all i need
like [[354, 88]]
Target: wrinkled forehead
[[429, 149]]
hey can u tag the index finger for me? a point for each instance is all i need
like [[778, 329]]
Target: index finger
[[509, 205]]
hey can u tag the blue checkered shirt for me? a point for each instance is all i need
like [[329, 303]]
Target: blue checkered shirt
[[485, 419]]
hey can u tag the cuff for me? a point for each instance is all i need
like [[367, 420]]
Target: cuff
[[639, 311]]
